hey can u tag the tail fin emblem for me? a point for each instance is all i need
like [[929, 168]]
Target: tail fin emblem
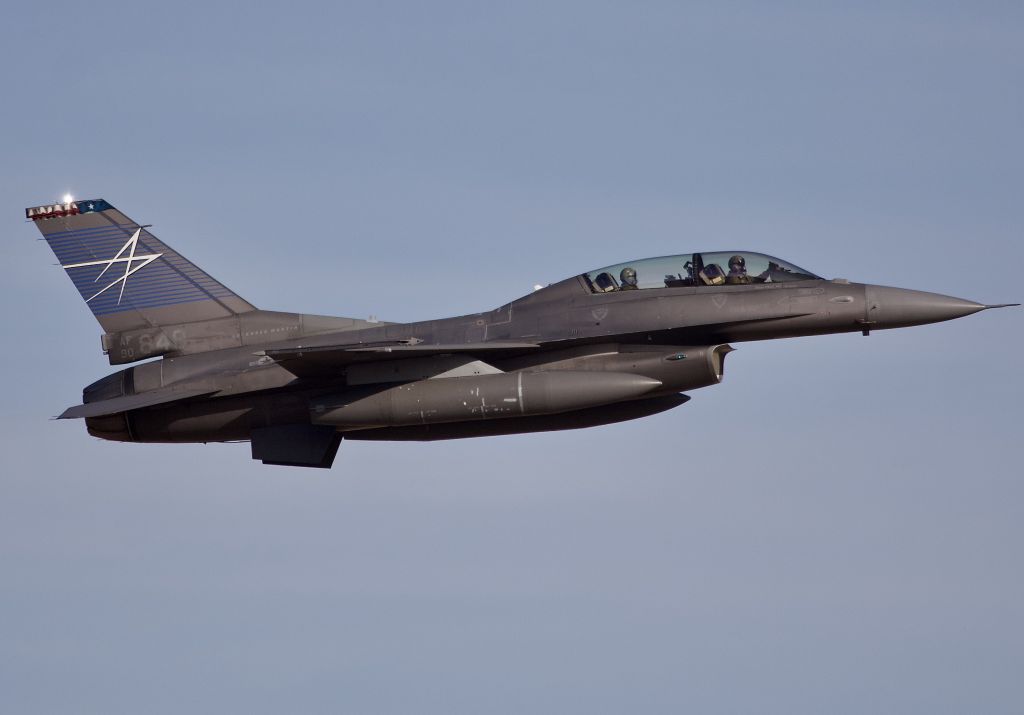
[[129, 262]]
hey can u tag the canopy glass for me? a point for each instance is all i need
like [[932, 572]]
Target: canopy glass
[[696, 269]]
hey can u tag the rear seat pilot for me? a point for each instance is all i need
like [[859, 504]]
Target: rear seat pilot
[[627, 279]]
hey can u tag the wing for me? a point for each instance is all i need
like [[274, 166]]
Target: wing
[[320, 360]]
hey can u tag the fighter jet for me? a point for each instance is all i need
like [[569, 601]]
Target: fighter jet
[[600, 347]]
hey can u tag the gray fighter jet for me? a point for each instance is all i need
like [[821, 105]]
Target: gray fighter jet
[[609, 345]]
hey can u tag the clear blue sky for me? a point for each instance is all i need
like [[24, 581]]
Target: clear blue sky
[[836, 528]]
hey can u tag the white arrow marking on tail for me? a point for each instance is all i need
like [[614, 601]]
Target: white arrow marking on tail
[[128, 261]]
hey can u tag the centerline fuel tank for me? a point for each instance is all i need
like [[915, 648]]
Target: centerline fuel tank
[[461, 399]]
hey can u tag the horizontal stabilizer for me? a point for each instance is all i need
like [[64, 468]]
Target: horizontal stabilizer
[[130, 402], [326, 359]]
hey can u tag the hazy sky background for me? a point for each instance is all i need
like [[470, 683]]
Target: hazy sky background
[[836, 528]]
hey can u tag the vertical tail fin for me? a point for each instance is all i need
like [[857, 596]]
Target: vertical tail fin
[[126, 275]]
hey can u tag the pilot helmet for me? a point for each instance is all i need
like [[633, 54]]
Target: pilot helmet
[[628, 276], [737, 264]]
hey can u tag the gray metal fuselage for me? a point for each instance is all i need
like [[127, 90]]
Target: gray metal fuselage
[[613, 344]]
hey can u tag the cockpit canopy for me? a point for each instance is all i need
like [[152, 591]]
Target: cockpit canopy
[[696, 269]]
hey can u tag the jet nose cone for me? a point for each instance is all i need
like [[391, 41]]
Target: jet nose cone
[[899, 307]]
